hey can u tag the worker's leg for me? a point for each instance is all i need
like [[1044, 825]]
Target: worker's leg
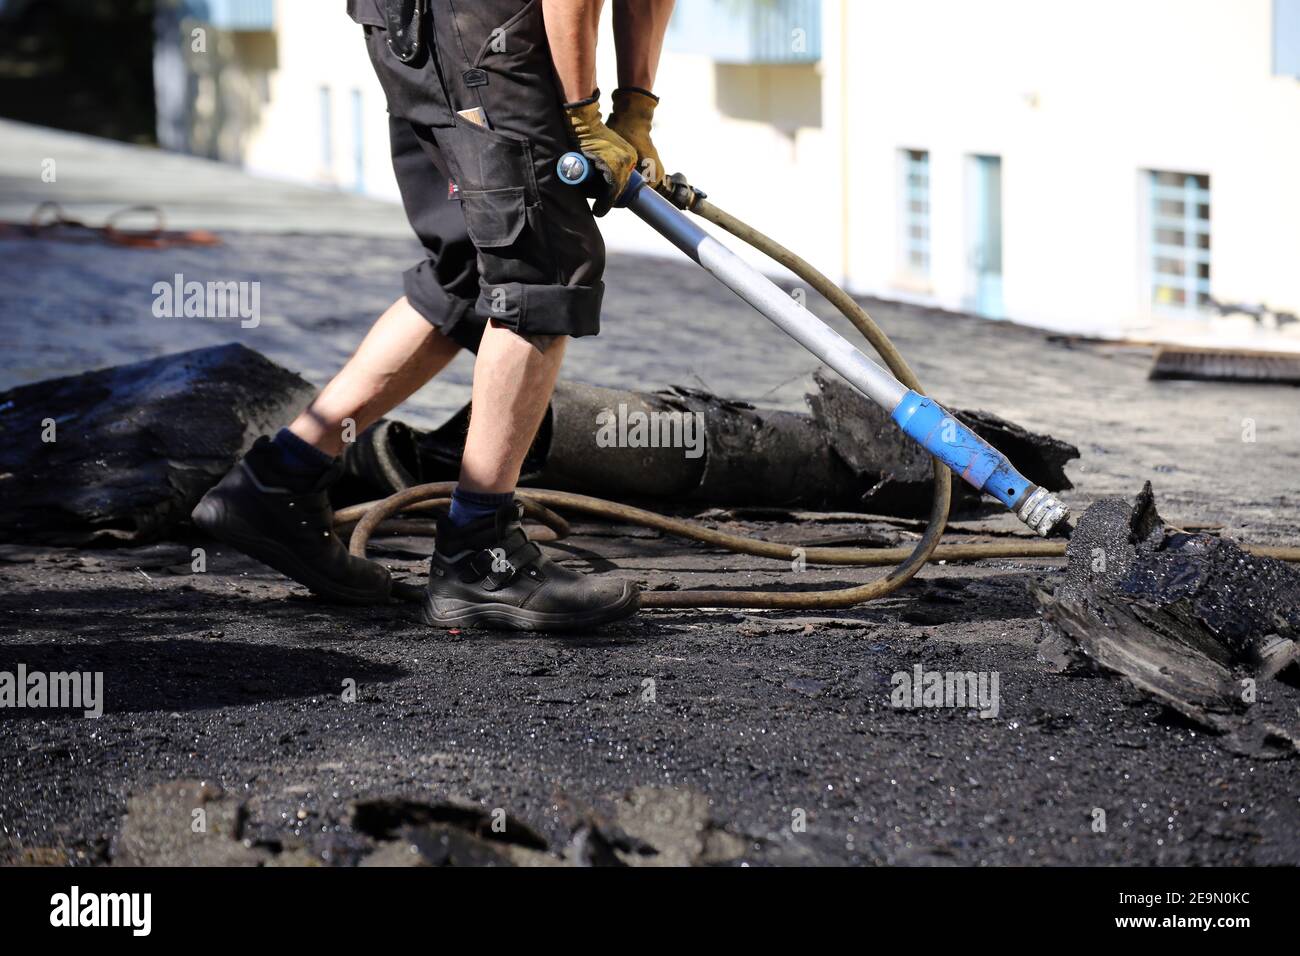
[[541, 259], [540, 254], [513, 381], [422, 331], [274, 504], [484, 570], [400, 354]]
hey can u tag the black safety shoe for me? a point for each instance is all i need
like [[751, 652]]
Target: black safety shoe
[[488, 574], [290, 531]]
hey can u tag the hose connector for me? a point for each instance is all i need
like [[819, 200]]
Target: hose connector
[[1042, 511], [681, 193]]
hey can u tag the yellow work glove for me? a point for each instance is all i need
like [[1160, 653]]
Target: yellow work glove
[[634, 111], [611, 155]]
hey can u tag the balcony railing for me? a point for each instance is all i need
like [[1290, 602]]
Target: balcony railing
[[748, 31]]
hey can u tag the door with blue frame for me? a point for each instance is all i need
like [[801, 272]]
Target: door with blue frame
[[984, 258]]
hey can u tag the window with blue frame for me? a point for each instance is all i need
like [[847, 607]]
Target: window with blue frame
[[1180, 241], [915, 212]]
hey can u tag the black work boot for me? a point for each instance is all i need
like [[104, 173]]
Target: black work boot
[[291, 531], [488, 574]]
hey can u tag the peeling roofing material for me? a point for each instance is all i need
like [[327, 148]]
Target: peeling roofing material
[[1191, 620], [689, 445]]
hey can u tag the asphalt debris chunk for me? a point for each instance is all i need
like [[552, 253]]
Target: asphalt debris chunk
[[1189, 620]]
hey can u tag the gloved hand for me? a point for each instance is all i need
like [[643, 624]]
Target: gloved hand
[[634, 110], [609, 153]]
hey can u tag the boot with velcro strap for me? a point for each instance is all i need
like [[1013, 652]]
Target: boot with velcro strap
[[489, 574]]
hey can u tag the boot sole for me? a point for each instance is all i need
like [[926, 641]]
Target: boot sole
[[276, 556], [507, 617]]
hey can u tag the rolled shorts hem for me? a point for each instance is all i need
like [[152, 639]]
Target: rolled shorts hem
[[542, 309], [451, 315]]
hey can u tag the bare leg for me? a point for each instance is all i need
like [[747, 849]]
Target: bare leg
[[513, 381], [399, 354], [522, 589]]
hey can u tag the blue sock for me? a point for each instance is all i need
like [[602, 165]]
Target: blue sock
[[469, 506], [297, 464]]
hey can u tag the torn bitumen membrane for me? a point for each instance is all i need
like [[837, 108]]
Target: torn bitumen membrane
[[128, 451], [743, 737], [1188, 619]]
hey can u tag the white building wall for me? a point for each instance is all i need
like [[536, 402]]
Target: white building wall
[[1078, 100], [319, 45]]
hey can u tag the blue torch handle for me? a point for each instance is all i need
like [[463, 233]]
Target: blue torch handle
[[970, 457]]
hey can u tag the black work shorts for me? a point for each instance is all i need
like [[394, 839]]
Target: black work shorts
[[538, 256]]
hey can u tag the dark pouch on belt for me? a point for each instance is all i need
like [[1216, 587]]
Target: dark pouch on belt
[[404, 27]]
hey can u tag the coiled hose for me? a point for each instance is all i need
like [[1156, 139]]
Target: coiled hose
[[539, 503]]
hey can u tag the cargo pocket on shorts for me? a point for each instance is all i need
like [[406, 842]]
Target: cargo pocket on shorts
[[494, 218]]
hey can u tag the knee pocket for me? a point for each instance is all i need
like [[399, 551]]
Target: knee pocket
[[500, 201], [541, 235]]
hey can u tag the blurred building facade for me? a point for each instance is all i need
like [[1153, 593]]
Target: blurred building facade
[[1115, 169], [1104, 168]]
